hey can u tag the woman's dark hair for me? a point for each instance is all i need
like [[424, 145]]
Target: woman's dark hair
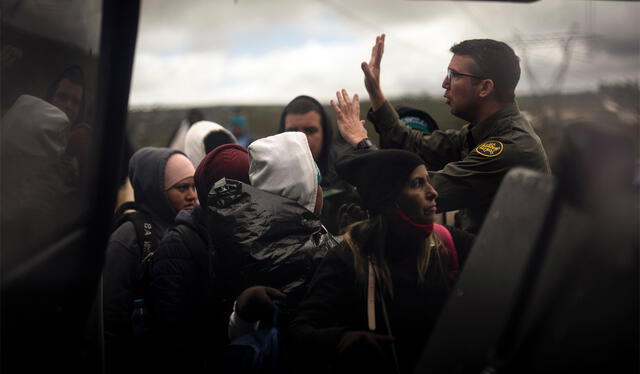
[[494, 60], [217, 138]]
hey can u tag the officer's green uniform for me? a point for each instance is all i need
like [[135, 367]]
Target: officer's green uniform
[[467, 165]]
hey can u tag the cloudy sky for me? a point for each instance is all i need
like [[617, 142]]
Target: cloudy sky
[[203, 52]]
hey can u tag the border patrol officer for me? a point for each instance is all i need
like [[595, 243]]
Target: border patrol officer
[[469, 163]]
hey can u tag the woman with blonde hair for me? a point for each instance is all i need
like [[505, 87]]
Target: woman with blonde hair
[[375, 298]]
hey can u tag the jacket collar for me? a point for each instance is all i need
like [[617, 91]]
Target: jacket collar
[[492, 125]]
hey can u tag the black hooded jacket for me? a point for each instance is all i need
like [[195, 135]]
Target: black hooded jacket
[[265, 239], [123, 256]]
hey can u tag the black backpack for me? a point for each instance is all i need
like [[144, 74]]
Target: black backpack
[[147, 242]]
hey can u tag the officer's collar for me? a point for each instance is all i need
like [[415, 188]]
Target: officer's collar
[[490, 125]]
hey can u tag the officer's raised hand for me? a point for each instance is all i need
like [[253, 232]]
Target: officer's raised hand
[[348, 117], [372, 74]]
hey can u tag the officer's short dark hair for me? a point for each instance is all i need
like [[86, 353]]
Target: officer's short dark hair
[[494, 60]]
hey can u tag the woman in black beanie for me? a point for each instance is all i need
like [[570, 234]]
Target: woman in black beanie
[[375, 298]]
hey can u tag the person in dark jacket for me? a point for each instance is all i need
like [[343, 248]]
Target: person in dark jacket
[[306, 114], [162, 181], [190, 312], [375, 298]]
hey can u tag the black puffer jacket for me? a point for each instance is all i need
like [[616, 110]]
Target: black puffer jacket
[[190, 315], [265, 239]]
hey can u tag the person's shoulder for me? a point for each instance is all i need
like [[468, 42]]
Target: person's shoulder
[[459, 235], [123, 242], [172, 246], [125, 233], [341, 252], [515, 127], [517, 139]]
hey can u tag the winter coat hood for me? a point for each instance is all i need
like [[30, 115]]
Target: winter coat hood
[[283, 165], [146, 172], [34, 127], [265, 239], [203, 137]]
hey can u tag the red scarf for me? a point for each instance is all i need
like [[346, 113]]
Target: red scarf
[[405, 226]]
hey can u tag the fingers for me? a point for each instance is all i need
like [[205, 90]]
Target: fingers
[[340, 96], [344, 100], [381, 51], [345, 97], [345, 103], [377, 51], [336, 108], [356, 105], [369, 76]]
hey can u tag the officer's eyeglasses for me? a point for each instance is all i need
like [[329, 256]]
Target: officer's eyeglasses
[[453, 73]]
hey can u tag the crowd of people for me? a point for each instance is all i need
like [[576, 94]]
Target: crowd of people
[[328, 239], [312, 250]]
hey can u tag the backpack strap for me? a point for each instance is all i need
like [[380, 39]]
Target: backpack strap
[[120, 217], [144, 232], [148, 243], [447, 239], [373, 276]]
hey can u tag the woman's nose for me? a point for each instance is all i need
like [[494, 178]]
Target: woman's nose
[[432, 194]]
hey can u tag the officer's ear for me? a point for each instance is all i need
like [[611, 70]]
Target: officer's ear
[[487, 88]]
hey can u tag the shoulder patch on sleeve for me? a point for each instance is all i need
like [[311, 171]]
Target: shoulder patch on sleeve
[[490, 149]]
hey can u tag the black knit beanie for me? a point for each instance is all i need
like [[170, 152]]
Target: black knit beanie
[[379, 175]]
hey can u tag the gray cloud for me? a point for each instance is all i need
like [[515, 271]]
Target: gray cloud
[[264, 51]]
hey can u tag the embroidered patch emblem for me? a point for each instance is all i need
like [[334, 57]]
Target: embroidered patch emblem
[[490, 149]]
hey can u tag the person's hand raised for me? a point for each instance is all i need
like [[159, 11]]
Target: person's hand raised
[[372, 73], [348, 117]]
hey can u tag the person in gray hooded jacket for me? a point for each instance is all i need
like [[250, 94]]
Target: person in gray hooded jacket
[[163, 184]]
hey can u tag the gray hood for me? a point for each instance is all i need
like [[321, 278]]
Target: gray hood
[[146, 172]]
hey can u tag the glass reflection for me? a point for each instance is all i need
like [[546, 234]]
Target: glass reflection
[[49, 67]]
